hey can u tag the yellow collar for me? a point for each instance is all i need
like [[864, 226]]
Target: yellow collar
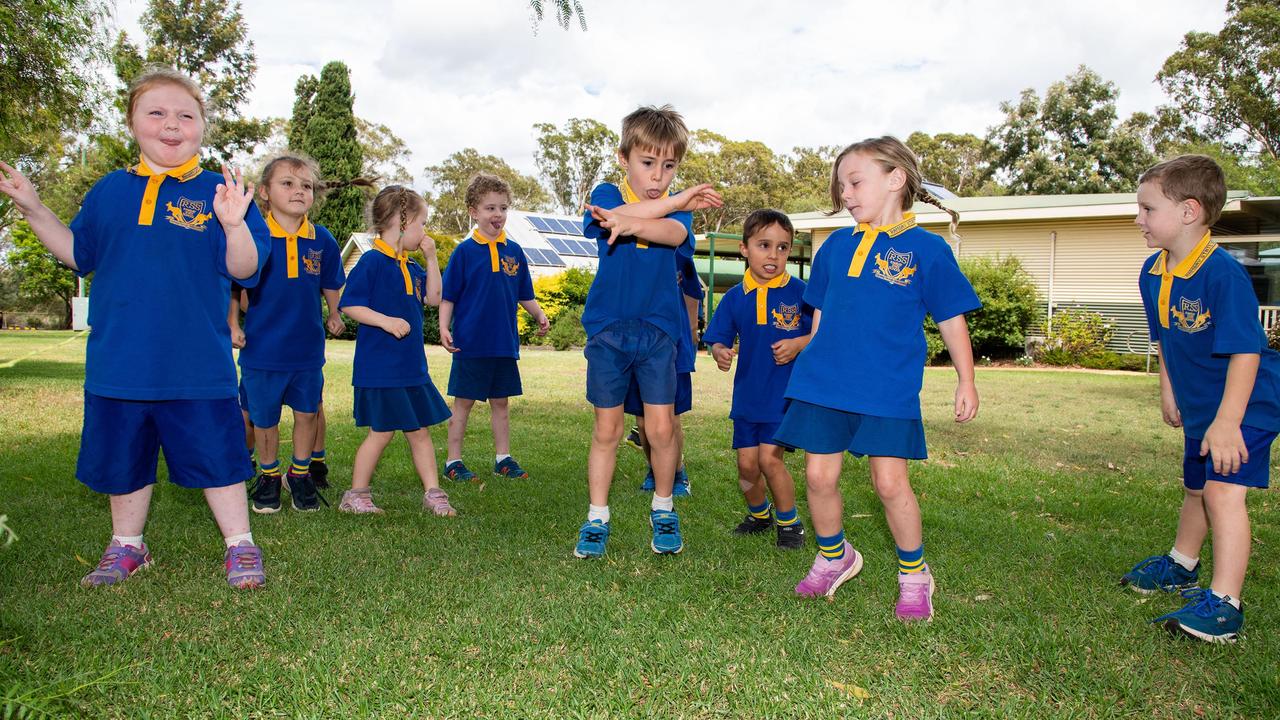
[[402, 258], [869, 235], [306, 230], [628, 197], [493, 245], [182, 173], [749, 284], [1183, 271]]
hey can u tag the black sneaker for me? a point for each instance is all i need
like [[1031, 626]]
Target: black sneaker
[[791, 537], [633, 437], [752, 525], [302, 490], [266, 494], [320, 474]]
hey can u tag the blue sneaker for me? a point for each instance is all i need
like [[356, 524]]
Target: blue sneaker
[[592, 537], [1205, 617], [458, 472], [647, 485], [666, 532], [681, 486], [511, 469], [1160, 573]]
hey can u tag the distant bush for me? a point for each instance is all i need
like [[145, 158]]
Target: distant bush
[[1077, 337], [567, 331]]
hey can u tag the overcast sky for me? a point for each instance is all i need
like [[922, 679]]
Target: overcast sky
[[445, 76]]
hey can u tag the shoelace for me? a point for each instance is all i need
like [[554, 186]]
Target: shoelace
[[1206, 603], [109, 559], [665, 527], [913, 593], [593, 536], [246, 559], [1162, 565]]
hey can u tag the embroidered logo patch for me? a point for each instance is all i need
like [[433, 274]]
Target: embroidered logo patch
[[1190, 315], [786, 317], [510, 265], [312, 261], [895, 267], [188, 214]]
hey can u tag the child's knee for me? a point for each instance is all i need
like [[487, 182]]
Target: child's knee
[[891, 486], [771, 465], [748, 465], [498, 404], [607, 430]]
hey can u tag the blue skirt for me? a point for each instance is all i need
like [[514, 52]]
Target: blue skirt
[[402, 408], [823, 431]]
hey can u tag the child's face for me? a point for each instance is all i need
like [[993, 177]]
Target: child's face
[[869, 193], [291, 192], [415, 231], [1161, 218], [167, 124], [649, 171], [490, 214], [766, 252]]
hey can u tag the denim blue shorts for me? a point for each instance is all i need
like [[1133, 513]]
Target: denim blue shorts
[[402, 408], [630, 349], [484, 378], [750, 434], [1196, 470], [120, 443], [268, 390], [823, 431], [684, 396]]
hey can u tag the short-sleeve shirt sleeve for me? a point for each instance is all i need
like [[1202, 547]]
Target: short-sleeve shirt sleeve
[[359, 288], [819, 274], [332, 276], [85, 232], [454, 281], [946, 291], [723, 329], [1235, 314], [607, 196]]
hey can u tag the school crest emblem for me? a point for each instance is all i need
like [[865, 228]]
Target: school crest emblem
[[189, 214], [895, 267], [510, 265], [311, 261], [786, 317], [1190, 315]]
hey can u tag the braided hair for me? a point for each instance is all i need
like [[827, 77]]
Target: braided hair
[[393, 206]]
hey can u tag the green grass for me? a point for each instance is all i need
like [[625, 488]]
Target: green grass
[[1031, 513]]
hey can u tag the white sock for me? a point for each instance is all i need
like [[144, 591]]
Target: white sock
[[237, 539], [499, 458], [662, 503], [1234, 602], [1187, 563], [598, 512], [133, 540], [451, 461]]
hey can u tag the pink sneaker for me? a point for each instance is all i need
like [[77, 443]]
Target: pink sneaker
[[915, 596], [827, 575], [358, 502], [437, 501], [244, 566], [117, 564]]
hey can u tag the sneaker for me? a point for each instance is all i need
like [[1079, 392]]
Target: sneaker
[[648, 484], [511, 469], [437, 501], [244, 566], [915, 596], [358, 502], [633, 437], [592, 537], [752, 525], [666, 532], [320, 474], [791, 537], [1160, 573], [302, 492], [1205, 617], [458, 472], [117, 564], [266, 494], [680, 488], [827, 575]]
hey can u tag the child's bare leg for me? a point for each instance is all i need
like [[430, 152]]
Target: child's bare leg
[[826, 506], [1229, 518], [889, 478], [781, 485], [367, 456], [129, 511], [248, 431], [424, 457], [230, 507], [678, 434], [322, 426], [1193, 524], [500, 423], [749, 480], [304, 434], [268, 444], [604, 454], [660, 429], [458, 426]]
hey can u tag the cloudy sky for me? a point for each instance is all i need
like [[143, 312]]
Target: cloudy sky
[[445, 76]]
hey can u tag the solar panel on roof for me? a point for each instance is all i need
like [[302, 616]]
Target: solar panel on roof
[[541, 225], [553, 258], [535, 256], [565, 225], [577, 228], [562, 246], [589, 247]]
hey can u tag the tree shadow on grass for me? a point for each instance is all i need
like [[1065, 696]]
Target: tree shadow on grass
[[23, 370]]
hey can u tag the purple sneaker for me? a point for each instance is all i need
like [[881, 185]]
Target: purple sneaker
[[244, 566], [915, 596], [827, 575], [118, 563]]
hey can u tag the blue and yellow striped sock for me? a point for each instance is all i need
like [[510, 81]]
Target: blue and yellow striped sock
[[317, 456], [761, 512], [911, 561], [787, 518], [271, 468], [300, 467], [831, 547]]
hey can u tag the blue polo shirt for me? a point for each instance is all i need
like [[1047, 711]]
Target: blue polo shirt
[[759, 383], [160, 290], [633, 282], [868, 354], [687, 280], [1211, 314], [282, 327], [484, 299], [381, 360]]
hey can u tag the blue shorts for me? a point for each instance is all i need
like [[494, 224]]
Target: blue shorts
[[244, 397], [203, 443], [1197, 470], [750, 434], [823, 431], [684, 396], [484, 378], [403, 408], [630, 349], [268, 390]]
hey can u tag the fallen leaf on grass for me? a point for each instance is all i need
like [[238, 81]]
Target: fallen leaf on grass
[[860, 515], [857, 692], [982, 598], [82, 561]]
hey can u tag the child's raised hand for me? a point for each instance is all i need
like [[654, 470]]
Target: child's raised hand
[[232, 198], [617, 225], [399, 327], [966, 402], [698, 197], [1225, 443], [335, 325], [446, 340], [18, 188], [723, 356]]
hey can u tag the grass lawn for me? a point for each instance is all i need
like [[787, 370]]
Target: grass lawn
[[1031, 513]]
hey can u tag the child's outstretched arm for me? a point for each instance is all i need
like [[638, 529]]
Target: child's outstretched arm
[[1168, 403], [334, 323], [231, 200], [1223, 439], [48, 228], [368, 316], [533, 308], [698, 197], [955, 335], [662, 231]]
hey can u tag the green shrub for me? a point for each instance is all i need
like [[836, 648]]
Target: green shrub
[[1273, 337], [1008, 296], [567, 331], [933, 345], [1074, 335]]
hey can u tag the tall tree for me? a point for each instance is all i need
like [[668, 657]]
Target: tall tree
[[959, 162], [304, 94], [331, 139], [385, 153], [42, 278], [746, 172], [449, 182], [566, 11], [1070, 142], [209, 40], [809, 178], [575, 159]]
